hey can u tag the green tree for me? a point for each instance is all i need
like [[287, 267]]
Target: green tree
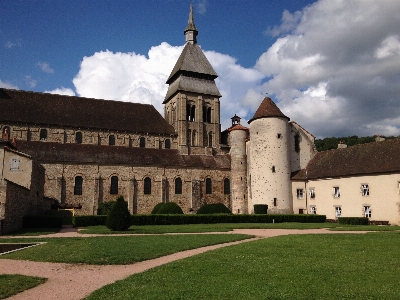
[[119, 218]]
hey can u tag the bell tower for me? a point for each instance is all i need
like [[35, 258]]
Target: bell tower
[[192, 101]]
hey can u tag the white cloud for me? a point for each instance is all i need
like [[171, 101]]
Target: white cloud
[[201, 6], [7, 85], [45, 67], [30, 81], [62, 91], [10, 45], [337, 71]]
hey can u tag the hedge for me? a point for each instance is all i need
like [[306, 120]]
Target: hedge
[[105, 207], [43, 221], [216, 208], [353, 220], [167, 208], [83, 221]]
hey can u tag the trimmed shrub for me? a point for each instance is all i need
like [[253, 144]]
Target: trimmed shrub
[[42, 221], [353, 220], [105, 207], [216, 208], [119, 218], [169, 208], [260, 208], [157, 207], [83, 221]]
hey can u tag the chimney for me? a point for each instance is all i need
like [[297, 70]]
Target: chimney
[[379, 138], [341, 145], [5, 134]]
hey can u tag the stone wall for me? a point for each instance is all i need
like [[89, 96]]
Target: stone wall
[[96, 188]]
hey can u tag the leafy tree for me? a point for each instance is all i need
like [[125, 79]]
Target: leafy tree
[[119, 218]]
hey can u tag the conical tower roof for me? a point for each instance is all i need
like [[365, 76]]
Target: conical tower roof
[[267, 109]]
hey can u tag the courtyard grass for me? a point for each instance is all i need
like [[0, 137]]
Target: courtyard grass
[[13, 284], [334, 266], [225, 227], [112, 250], [33, 231]]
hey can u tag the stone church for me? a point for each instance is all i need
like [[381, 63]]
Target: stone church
[[80, 152]]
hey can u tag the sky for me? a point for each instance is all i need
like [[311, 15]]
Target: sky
[[332, 66]]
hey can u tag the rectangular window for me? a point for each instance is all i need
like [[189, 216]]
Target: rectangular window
[[275, 204], [336, 192], [312, 193], [367, 211], [313, 210], [300, 193], [338, 211], [14, 165], [365, 189]]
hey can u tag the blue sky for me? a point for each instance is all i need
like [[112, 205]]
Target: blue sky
[[332, 66]]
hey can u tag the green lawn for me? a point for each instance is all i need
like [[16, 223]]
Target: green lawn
[[340, 266], [111, 250], [221, 227], [14, 284], [34, 231]]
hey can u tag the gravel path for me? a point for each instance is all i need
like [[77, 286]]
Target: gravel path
[[75, 281]]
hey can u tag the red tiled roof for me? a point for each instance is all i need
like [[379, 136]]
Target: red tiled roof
[[46, 152], [238, 127], [371, 158], [66, 111], [267, 109]]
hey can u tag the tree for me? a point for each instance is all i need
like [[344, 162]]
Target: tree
[[119, 218]]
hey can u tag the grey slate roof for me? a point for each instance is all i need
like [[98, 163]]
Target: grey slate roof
[[190, 84], [192, 59], [24, 107]]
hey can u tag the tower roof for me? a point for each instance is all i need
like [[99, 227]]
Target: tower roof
[[192, 72], [267, 109]]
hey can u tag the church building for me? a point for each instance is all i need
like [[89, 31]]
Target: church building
[[81, 152]]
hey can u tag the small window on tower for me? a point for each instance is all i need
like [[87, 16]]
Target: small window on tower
[[279, 135], [273, 169], [43, 134]]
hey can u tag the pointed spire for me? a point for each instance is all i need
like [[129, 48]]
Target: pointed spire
[[191, 30]]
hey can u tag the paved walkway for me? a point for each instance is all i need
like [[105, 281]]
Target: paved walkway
[[75, 281]]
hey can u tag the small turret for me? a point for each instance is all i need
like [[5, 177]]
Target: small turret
[[191, 30]]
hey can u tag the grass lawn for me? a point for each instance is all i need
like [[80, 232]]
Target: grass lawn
[[340, 266], [221, 227], [14, 284], [112, 250]]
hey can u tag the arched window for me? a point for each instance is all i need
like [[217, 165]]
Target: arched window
[[192, 113], [208, 186], [114, 185], [142, 142], [167, 144], [209, 115], [147, 186], [78, 137], [210, 139], [111, 140], [204, 114], [227, 186], [188, 112], [43, 134], [78, 185], [6, 133], [178, 186]]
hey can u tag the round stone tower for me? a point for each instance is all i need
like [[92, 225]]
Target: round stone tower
[[269, 172], [238, 135]]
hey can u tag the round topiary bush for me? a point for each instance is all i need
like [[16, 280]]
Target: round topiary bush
[[169, 208], [216, 208], [119, 218], [156, 208]]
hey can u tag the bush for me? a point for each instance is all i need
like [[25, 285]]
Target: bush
[[156, 208], [84, 221], [217, 208], [105, 207], [42, 221], [169, 208], [119, 218], [353, 220], [260, 208]]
